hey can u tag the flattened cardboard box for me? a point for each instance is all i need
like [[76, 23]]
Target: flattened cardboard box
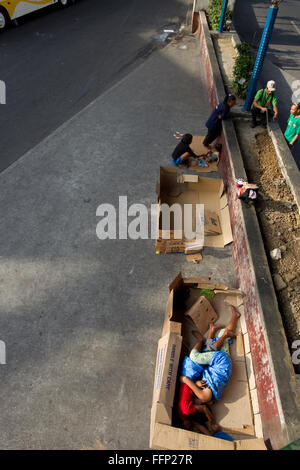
[[176, 188], [162, 434], [199, 149]]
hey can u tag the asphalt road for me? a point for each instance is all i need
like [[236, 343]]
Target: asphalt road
[[282, 63], [59, 60]]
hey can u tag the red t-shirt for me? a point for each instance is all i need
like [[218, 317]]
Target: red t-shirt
[[185, 402]]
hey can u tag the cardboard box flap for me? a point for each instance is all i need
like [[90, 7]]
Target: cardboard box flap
[[226, 226], [162, 414], [176, 283], [202, 313], [223, 201], [212, 223], [196, 280], [167, 360], [168, 437], [171, 323], [250, 444], [191, 247], [197, 145], [187, 178]]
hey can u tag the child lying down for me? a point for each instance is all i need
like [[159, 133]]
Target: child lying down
[[192, 414], [205, 373]]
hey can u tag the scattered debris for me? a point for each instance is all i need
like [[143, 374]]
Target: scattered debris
[[275, 254]]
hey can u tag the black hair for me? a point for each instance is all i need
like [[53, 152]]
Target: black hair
[[229, 97], [187, 139], [298, 109]]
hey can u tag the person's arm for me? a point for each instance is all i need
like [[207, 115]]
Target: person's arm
[[256, 105], [275, 109], [192, 154], [222, 111], [294, 140], [196, 390]]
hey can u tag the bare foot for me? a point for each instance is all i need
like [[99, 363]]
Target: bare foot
[[215, 427], [214, 327], [229, 333], [235, 311]]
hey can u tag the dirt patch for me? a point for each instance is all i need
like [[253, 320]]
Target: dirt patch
[[280, 225]]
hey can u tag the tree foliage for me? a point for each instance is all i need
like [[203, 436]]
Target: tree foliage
[[214, 13], [242, 69]]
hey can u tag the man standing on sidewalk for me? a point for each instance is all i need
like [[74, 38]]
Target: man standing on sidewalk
[[262, 101]]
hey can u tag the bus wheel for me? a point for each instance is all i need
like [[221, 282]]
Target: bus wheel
[[3, 20]]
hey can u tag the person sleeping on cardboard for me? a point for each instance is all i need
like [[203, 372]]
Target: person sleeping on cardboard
[[211, 362], [192, 414]]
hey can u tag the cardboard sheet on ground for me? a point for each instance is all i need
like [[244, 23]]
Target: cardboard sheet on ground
[[202, 313], [199, 149], [175, 187], [233, 412]]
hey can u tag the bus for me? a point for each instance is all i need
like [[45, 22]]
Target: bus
[[13, 9]]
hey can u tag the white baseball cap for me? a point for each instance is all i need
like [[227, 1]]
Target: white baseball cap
[[271, 85]]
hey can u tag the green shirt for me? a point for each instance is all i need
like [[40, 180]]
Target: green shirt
[[293, 128], [264, 100]]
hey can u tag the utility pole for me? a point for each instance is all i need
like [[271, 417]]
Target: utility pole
[[223, 16], [259, 62]]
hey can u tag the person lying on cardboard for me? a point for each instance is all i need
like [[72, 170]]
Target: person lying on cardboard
[[210, 361], [183, 155], [192, 414]]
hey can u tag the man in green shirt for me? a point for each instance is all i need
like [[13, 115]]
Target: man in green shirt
[[293, 128], [262, 101]]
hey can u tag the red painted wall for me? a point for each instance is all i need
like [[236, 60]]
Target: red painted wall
[[265, 388]]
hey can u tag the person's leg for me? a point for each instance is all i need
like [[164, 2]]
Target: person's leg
[[212, 134], [212, 329], [200, 428], [187, 424], [255, 112], [209, 417], [263, 121], [229, 331], [234, 319]]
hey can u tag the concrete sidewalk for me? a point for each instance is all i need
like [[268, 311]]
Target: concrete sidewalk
[[81, 318]]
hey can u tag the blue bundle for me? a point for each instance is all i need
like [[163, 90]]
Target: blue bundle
[[216, 374]]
